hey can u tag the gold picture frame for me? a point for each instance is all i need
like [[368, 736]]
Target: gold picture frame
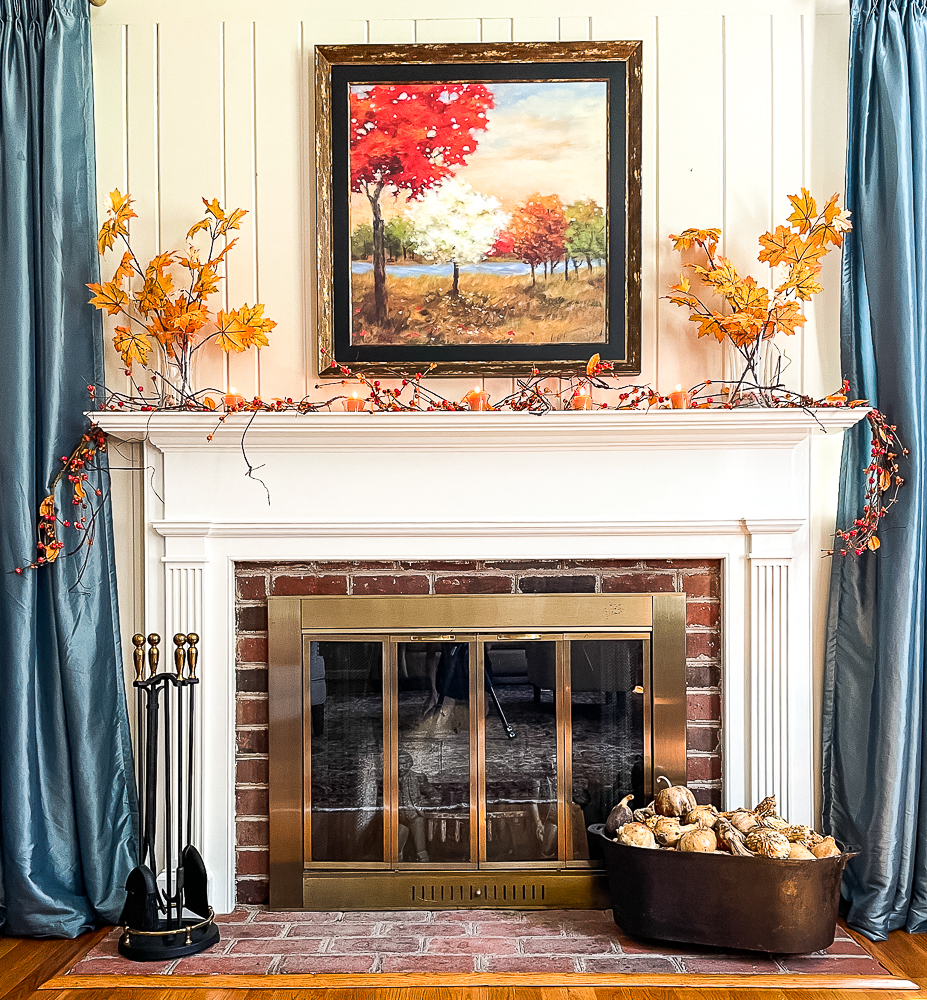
[[483, 286]]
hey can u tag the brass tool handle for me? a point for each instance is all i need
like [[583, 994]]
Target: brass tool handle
[[431, 638], [180, 655], [522, 635], [154, 654], [193, 654], [138, 655]]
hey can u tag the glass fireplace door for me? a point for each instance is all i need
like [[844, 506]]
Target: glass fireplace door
[[433, 811], [521, 760]]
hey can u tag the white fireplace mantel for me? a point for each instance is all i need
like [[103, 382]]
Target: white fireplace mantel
[[734, 485]]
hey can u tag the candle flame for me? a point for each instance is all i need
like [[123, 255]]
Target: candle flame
[[354, 395], [678, 387]]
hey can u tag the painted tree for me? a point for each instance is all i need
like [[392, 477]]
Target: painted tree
[[585, 235], [410, 137], [538, 231], [454, 224], [398, 238]]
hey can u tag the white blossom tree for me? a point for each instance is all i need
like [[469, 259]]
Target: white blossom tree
[[453, 224]]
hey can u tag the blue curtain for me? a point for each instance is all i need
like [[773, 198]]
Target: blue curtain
[[67, 798], [873, 723]]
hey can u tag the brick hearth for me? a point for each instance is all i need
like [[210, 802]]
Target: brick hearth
[[699, 580]]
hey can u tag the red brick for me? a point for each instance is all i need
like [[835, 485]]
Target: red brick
[[334, 928], [530, 963], [701, 584], [252, 649], [437, 566], [702, 738], [235, 932], [706, 796], [471, 946], [833, 966], [251, 712], [115, 967], [240, 915], [353, 946], [251, 680], [846, 947], [303, 916], [628, 964], [391, 585], [689, 564], [557, 584], [703, 675], [703, 705], [252, 802], [703, 613], [601, 944], [512, 564], [251, 741], [703, 768], [252, 833], [741, 965], [252, 770], [252, 588], [433, 963], [294, 965], [219, 964], [355, 566], [640, 583], [252, 618], [252, 891], [252, 863], [703, 644], [277, 946], [473, 585], [602, 563], [305, 586]]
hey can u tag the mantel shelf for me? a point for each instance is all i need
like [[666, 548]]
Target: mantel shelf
[[494, 431]]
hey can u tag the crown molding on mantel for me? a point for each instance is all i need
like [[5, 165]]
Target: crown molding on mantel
[[506, 430]]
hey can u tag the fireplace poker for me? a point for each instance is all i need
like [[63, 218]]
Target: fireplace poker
[[509, 729]]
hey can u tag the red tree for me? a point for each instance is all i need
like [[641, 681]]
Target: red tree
[[410, 137], [538, 231]]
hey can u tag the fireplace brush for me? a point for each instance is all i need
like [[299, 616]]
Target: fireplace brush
[[154, 925]]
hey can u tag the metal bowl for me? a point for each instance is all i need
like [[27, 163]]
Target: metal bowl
[[721, 900]]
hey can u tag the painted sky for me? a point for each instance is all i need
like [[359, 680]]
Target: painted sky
[[547, 137]]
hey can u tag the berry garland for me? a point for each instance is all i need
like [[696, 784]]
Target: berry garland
[[531, 395]]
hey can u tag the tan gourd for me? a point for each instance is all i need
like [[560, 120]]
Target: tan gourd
[[700, 840]]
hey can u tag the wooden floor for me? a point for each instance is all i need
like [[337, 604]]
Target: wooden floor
[[26, 964]]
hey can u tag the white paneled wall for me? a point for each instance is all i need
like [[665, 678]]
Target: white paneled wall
[[744, 102]]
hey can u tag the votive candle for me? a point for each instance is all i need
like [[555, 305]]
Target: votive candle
[[679, 399], [354, 404], [582, 400], [233, 398], [477, 399]]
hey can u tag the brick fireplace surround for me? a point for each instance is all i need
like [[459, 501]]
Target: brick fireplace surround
[[699, 580]]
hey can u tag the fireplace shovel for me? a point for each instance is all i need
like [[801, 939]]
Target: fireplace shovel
[[143, 903]]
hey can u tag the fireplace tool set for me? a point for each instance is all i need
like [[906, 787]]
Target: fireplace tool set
[[153, 921]]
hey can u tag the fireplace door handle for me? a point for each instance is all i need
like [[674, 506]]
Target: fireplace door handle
[[522, 635], [431, 638]]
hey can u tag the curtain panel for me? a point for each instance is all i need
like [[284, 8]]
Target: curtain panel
[[67, 796], [873, 719]]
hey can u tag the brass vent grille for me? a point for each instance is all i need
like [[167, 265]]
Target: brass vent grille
[[481, 894]]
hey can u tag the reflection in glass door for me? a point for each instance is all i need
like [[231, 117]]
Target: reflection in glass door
[[608, 728], [520, 741], [432, 788], [345, 681]]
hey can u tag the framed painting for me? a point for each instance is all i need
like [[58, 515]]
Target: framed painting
[[479, 208]]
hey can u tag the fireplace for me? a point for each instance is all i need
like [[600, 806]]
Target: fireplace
[[740, 488], [442, 751]]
